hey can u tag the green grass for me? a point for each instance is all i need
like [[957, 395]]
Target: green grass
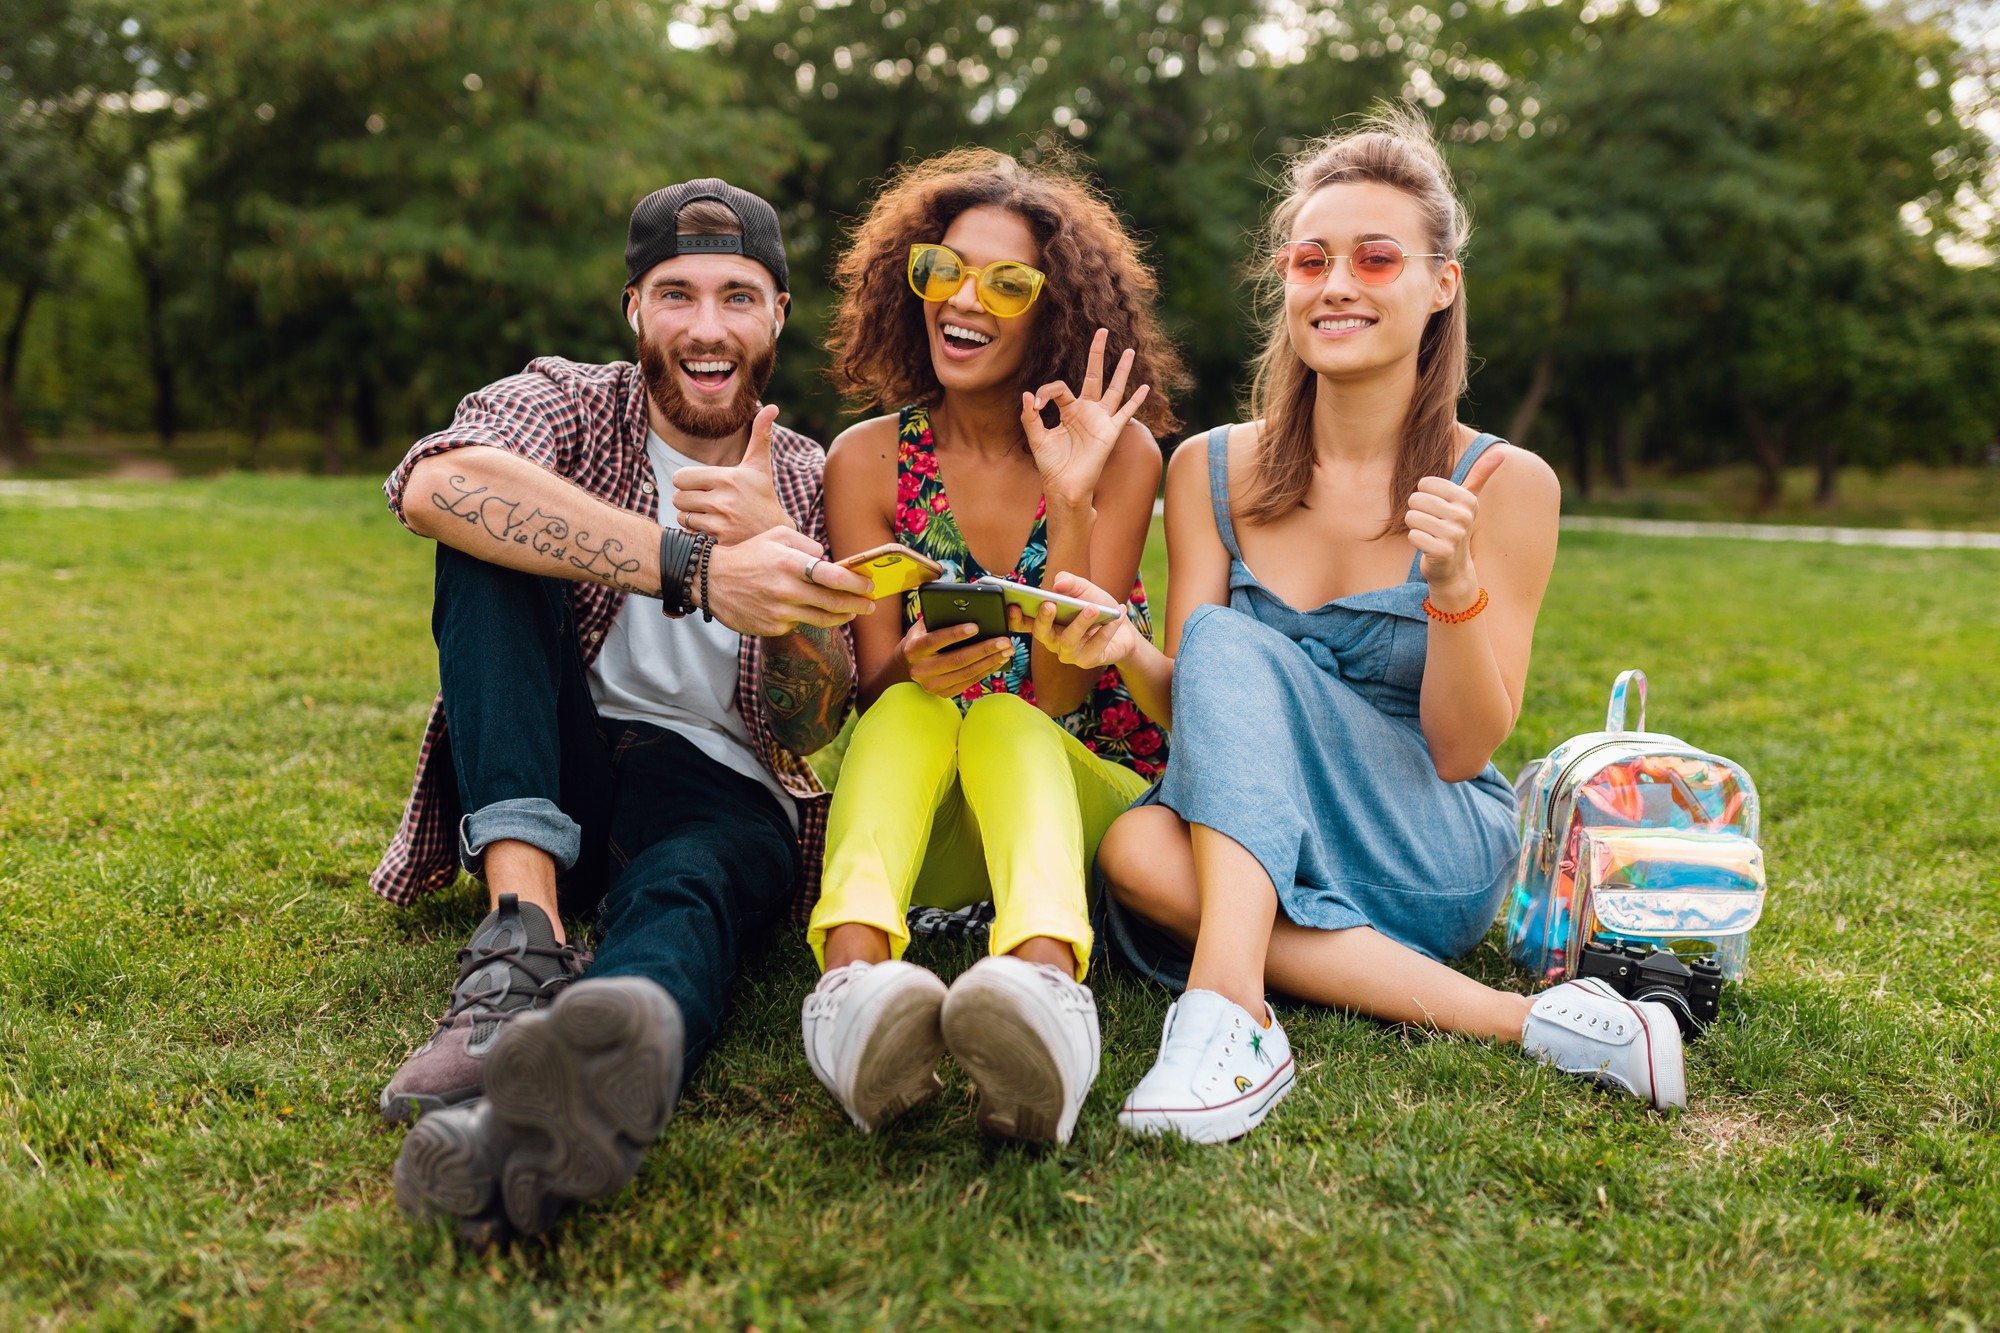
[[212, 692]]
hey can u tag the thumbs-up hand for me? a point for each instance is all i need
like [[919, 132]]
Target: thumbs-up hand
[[1441, 516], [734, 504]]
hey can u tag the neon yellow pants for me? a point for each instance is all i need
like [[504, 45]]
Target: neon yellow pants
[[945, 810]]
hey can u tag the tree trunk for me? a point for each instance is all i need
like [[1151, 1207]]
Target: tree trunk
[[159, 361], [1618, 450], [1579, 434], [16, 449], [329, 435], [1538, 389], [1827, 493], [367, 414], [1767, 449]]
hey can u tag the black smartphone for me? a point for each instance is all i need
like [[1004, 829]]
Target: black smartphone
[[948, 604]]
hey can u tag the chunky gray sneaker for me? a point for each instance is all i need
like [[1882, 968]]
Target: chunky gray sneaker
[[511, 965], [574, 1095]]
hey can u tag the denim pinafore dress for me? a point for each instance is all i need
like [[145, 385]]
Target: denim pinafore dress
[[1297, 734]]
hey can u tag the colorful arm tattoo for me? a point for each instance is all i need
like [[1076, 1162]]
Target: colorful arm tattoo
[[808, 682]]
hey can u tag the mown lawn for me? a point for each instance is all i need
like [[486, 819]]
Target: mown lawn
[[211, 694]]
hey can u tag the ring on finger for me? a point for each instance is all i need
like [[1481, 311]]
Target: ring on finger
[[812, 563]]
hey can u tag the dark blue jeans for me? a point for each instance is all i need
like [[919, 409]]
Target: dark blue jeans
[[683, 861]]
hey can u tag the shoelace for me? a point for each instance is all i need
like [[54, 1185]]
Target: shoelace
[[573, 961], [1229, 1043], [825, 999], [1070, 993]]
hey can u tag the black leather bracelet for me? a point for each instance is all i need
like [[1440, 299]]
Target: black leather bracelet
[[677, 552], [707, 554]]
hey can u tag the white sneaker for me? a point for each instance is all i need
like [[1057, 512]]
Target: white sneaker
[[1026, 1034], [1219, 1073], [1585, 1027], [871, 1033]]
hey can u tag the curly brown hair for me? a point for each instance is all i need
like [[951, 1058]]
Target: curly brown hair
[[1096, 280]]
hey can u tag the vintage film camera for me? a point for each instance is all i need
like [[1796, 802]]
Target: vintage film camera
[[1692, 990]]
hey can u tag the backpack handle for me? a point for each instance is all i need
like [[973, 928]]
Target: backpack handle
[[1614, 716]]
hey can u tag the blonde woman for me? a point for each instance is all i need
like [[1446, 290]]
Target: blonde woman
[[1356, 577]]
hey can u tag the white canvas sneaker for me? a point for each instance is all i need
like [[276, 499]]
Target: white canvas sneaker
[[871, 1034], [1219, 1073], [1026, 1034], [1585, 1027]]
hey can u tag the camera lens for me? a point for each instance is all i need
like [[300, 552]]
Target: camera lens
[[1674, 999]]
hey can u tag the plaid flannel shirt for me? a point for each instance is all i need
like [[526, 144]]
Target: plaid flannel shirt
[[588, 423]]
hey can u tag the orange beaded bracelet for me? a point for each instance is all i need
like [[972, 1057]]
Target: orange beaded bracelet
[[1456, 617]]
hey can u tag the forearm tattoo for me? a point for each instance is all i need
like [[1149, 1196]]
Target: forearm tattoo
[[545, 533], [808, 680]]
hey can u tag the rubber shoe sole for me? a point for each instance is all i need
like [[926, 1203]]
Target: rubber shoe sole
[[1217, 1124], [896, 1070], [575, 1093], [403, 1107], [1019, 1079]]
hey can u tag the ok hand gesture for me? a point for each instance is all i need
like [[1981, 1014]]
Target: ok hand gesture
[[1071, 457], [1441, 518]]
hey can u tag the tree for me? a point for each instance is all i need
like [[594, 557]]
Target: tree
[[1719, 205], [393, 202], [59, 62]]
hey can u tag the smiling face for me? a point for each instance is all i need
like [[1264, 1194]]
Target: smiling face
[[708, 340], [972, 350], [1341, 327]]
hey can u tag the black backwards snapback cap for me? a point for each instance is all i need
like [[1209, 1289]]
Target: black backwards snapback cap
[[654, 233]]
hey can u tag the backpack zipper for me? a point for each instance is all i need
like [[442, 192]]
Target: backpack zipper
[[1547, 856]]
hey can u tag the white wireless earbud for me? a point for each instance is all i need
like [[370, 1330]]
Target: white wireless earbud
[[632, 315]]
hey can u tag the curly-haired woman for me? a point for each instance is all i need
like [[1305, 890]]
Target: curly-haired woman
[[1331, 824], [976, 291]]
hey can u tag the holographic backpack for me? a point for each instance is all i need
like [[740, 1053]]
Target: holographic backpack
[[1636, 840]]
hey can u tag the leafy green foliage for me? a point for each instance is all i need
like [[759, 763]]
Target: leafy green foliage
[[1708, 231]]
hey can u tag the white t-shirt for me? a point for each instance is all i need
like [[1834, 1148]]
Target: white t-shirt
[[678, 674]]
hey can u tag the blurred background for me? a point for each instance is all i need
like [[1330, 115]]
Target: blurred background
[[1749, 241]]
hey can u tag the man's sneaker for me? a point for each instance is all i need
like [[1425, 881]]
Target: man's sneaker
[[574, 1095], [1026, 1034], [1585, 1027], [1219, 1073], [511, 965], [871, 1034]]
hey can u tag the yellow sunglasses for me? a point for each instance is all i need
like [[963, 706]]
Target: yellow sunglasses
[[1004, 287]]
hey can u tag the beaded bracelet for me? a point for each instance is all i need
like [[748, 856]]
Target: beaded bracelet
[[1456, 617], [707, 552]]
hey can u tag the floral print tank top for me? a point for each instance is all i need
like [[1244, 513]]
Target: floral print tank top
[[1108, 723]]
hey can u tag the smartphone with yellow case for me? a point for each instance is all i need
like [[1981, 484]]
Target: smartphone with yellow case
[[894, 568]]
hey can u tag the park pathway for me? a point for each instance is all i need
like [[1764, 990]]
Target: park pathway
[[1908, 538], [1784, 532]]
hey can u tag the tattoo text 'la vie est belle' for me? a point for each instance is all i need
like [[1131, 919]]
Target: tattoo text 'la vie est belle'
[[545, 533]]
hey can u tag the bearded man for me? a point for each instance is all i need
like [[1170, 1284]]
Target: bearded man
[[588, 753]]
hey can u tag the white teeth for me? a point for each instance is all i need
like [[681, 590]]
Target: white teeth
[[1338, 325], [708, 367], [970, 335]]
